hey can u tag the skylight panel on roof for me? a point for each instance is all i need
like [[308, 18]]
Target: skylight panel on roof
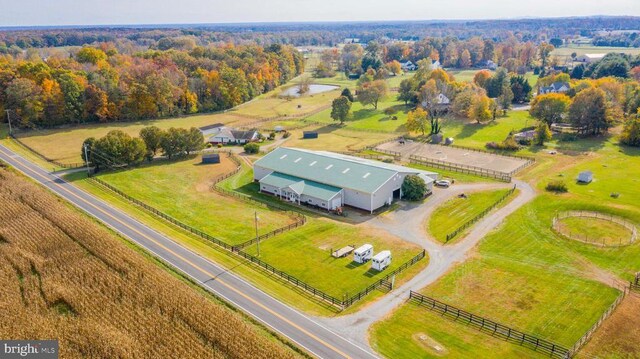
[[283, 156], [297, 160], [366, 175], [345, 171], [313, 163]]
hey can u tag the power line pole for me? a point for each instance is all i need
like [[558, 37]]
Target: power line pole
[[9, 121], [86, 159]]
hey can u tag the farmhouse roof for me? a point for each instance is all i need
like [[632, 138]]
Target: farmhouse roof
[[333, 169]]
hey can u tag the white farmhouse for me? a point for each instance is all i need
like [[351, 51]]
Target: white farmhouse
[[330, 180]]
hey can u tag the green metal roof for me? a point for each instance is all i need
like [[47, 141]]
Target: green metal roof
[[333, 169], [301, 186]]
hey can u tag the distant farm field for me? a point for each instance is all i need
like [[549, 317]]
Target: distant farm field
[[64, 277], [581, 50]]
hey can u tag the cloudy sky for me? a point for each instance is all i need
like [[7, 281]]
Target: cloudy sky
[[105, 12]]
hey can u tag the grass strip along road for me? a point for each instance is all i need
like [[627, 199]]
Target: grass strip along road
[[300, 329]]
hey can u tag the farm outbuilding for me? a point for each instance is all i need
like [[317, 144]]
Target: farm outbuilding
[[585, 177], [209, 158], [309, 134], [363, 253], [331, 180], [278, 129], [381, 260]]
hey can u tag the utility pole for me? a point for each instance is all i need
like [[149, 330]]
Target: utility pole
[[86, 159], [257, 238], [9, 121]]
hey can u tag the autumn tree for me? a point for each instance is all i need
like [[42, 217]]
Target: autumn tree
[[631, 133], [480, 109], [417, 121], [340, 108], [544, 51], [117, 149], [372, 92], [589, 111], [406, 91], [543, 133], [550, 108], [152, 137], [394, 67], [430, 101], [481, 77], [90, 55], [506, 98], [465, 59], [193, 140]]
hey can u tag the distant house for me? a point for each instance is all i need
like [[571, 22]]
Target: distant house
[[435, 64], [227, 135], [556, 87], [525, 135], [352, 40], [589, 58], [443, 101], [407, 65], [491, 65], [211, 129]]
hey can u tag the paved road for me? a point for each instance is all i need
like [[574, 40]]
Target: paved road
[[408, 224], [304, 331]]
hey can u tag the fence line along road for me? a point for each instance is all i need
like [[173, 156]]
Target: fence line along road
[[470, 222], [490, 327], [45, 158], [237, 250], [455, 167]]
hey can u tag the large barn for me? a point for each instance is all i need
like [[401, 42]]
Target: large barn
[[330, 180]]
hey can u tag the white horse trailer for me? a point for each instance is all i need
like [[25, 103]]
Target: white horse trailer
[[381, 260], [363, 253]]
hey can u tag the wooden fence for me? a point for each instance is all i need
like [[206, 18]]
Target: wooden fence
[[635, 284], [555, 225], [490, 327], [384, 282], [585, 338], [450, 166], [262, 120], [470, 222]]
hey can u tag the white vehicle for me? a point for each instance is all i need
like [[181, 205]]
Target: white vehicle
[[363, 253], [443, 183], [381, 260]]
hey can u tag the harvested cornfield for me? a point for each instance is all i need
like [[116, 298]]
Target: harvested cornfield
[[64, 277]]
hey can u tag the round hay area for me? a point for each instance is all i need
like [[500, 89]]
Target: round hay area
[[595, 228]]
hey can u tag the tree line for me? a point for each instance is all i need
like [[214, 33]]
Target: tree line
[[118, 149], [98, 84]]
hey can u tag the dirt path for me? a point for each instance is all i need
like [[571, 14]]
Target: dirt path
[[408, 224]]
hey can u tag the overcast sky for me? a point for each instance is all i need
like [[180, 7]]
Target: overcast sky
[[107, 12]]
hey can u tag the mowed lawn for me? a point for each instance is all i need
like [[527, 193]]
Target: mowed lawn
[[305, 253], [182, 190], [594, 230], [476, 135], [336, 139], [452, 214], [416, 332]]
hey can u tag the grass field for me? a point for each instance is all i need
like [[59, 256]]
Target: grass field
[[306, 254], [429, 335], [334, 138], [594, 230], [182, 190], [64, 277], [581, 50], [456, 212], [470, 134]]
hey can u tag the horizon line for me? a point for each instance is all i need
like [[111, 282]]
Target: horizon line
[[204, 24]]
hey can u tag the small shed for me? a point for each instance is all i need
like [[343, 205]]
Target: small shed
[[278, 129], [448, 141], [585, 177], [381, 260], [363, 253], [309, 134], [208, 158]]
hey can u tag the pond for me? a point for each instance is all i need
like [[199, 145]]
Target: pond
[[313, 90]]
